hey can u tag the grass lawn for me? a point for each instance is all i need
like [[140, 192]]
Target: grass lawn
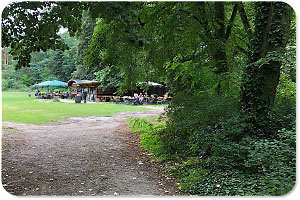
[[18, 107]]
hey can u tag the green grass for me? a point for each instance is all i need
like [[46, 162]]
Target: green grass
[[18, 107]]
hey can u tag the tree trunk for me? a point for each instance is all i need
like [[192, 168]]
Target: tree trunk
[[220, 39], [219, 53], [271, 34]]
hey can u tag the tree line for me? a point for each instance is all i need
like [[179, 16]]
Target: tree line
[[229, 65]]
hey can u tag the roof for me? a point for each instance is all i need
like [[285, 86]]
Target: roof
[[83, 83]]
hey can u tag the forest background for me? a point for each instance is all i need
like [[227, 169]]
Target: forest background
[[231, 67]]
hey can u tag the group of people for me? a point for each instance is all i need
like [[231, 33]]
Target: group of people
[[37, 93], [139, 99]]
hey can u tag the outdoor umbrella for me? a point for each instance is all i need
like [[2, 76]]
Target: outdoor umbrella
[[149, 83], [54, 83]]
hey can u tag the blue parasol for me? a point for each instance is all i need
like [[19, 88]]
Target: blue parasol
[[54, 83]]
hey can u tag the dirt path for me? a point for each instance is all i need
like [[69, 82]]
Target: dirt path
[[80, 156]]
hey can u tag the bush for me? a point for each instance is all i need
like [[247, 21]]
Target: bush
[[10, 84], [150, 137], [250, 167], [212, 153], [194, 121], [285, 104]]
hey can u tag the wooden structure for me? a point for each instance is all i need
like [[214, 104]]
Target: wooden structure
[[106, 94], [77, 86], [98, 94]]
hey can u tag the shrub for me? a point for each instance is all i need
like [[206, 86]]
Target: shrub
[[285, 104], [194, 121], [208, 140], [250, 166], [150, 137]]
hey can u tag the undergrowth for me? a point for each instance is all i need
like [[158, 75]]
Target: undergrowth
[[206, 151]]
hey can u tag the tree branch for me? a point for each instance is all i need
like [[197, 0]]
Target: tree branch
[[244, 19], [203, 20], [229, 27], [190, 15], [241, 49]]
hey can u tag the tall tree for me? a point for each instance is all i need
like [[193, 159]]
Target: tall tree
[[83, 39], [272, 27], [261, 77]]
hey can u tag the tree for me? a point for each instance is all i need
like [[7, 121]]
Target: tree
[[222, 63], [198, 35], [272, 27], [83, 39], [33, 26]]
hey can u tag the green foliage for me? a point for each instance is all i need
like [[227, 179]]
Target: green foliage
[[211, 152], [109, 77], [62, 65], [193, 124], [245, 167], [12, 79], [140, 125], [285, 103], [83, 39], [44, 66], [33, 26], [150, 137], [261, 76], [93, 53], [231, 122], [187, 74], [289, 63], [200, 177], [113, 52], [26, 80]]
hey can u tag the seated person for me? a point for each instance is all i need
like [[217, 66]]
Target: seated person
[[135, 98], [155, 98], [66, 95], [141, 98], [166, 95]]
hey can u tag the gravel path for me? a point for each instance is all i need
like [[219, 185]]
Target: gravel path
[[80, 156]]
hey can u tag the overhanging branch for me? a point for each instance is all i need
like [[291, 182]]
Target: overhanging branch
[[244, 19], [229, 27]]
